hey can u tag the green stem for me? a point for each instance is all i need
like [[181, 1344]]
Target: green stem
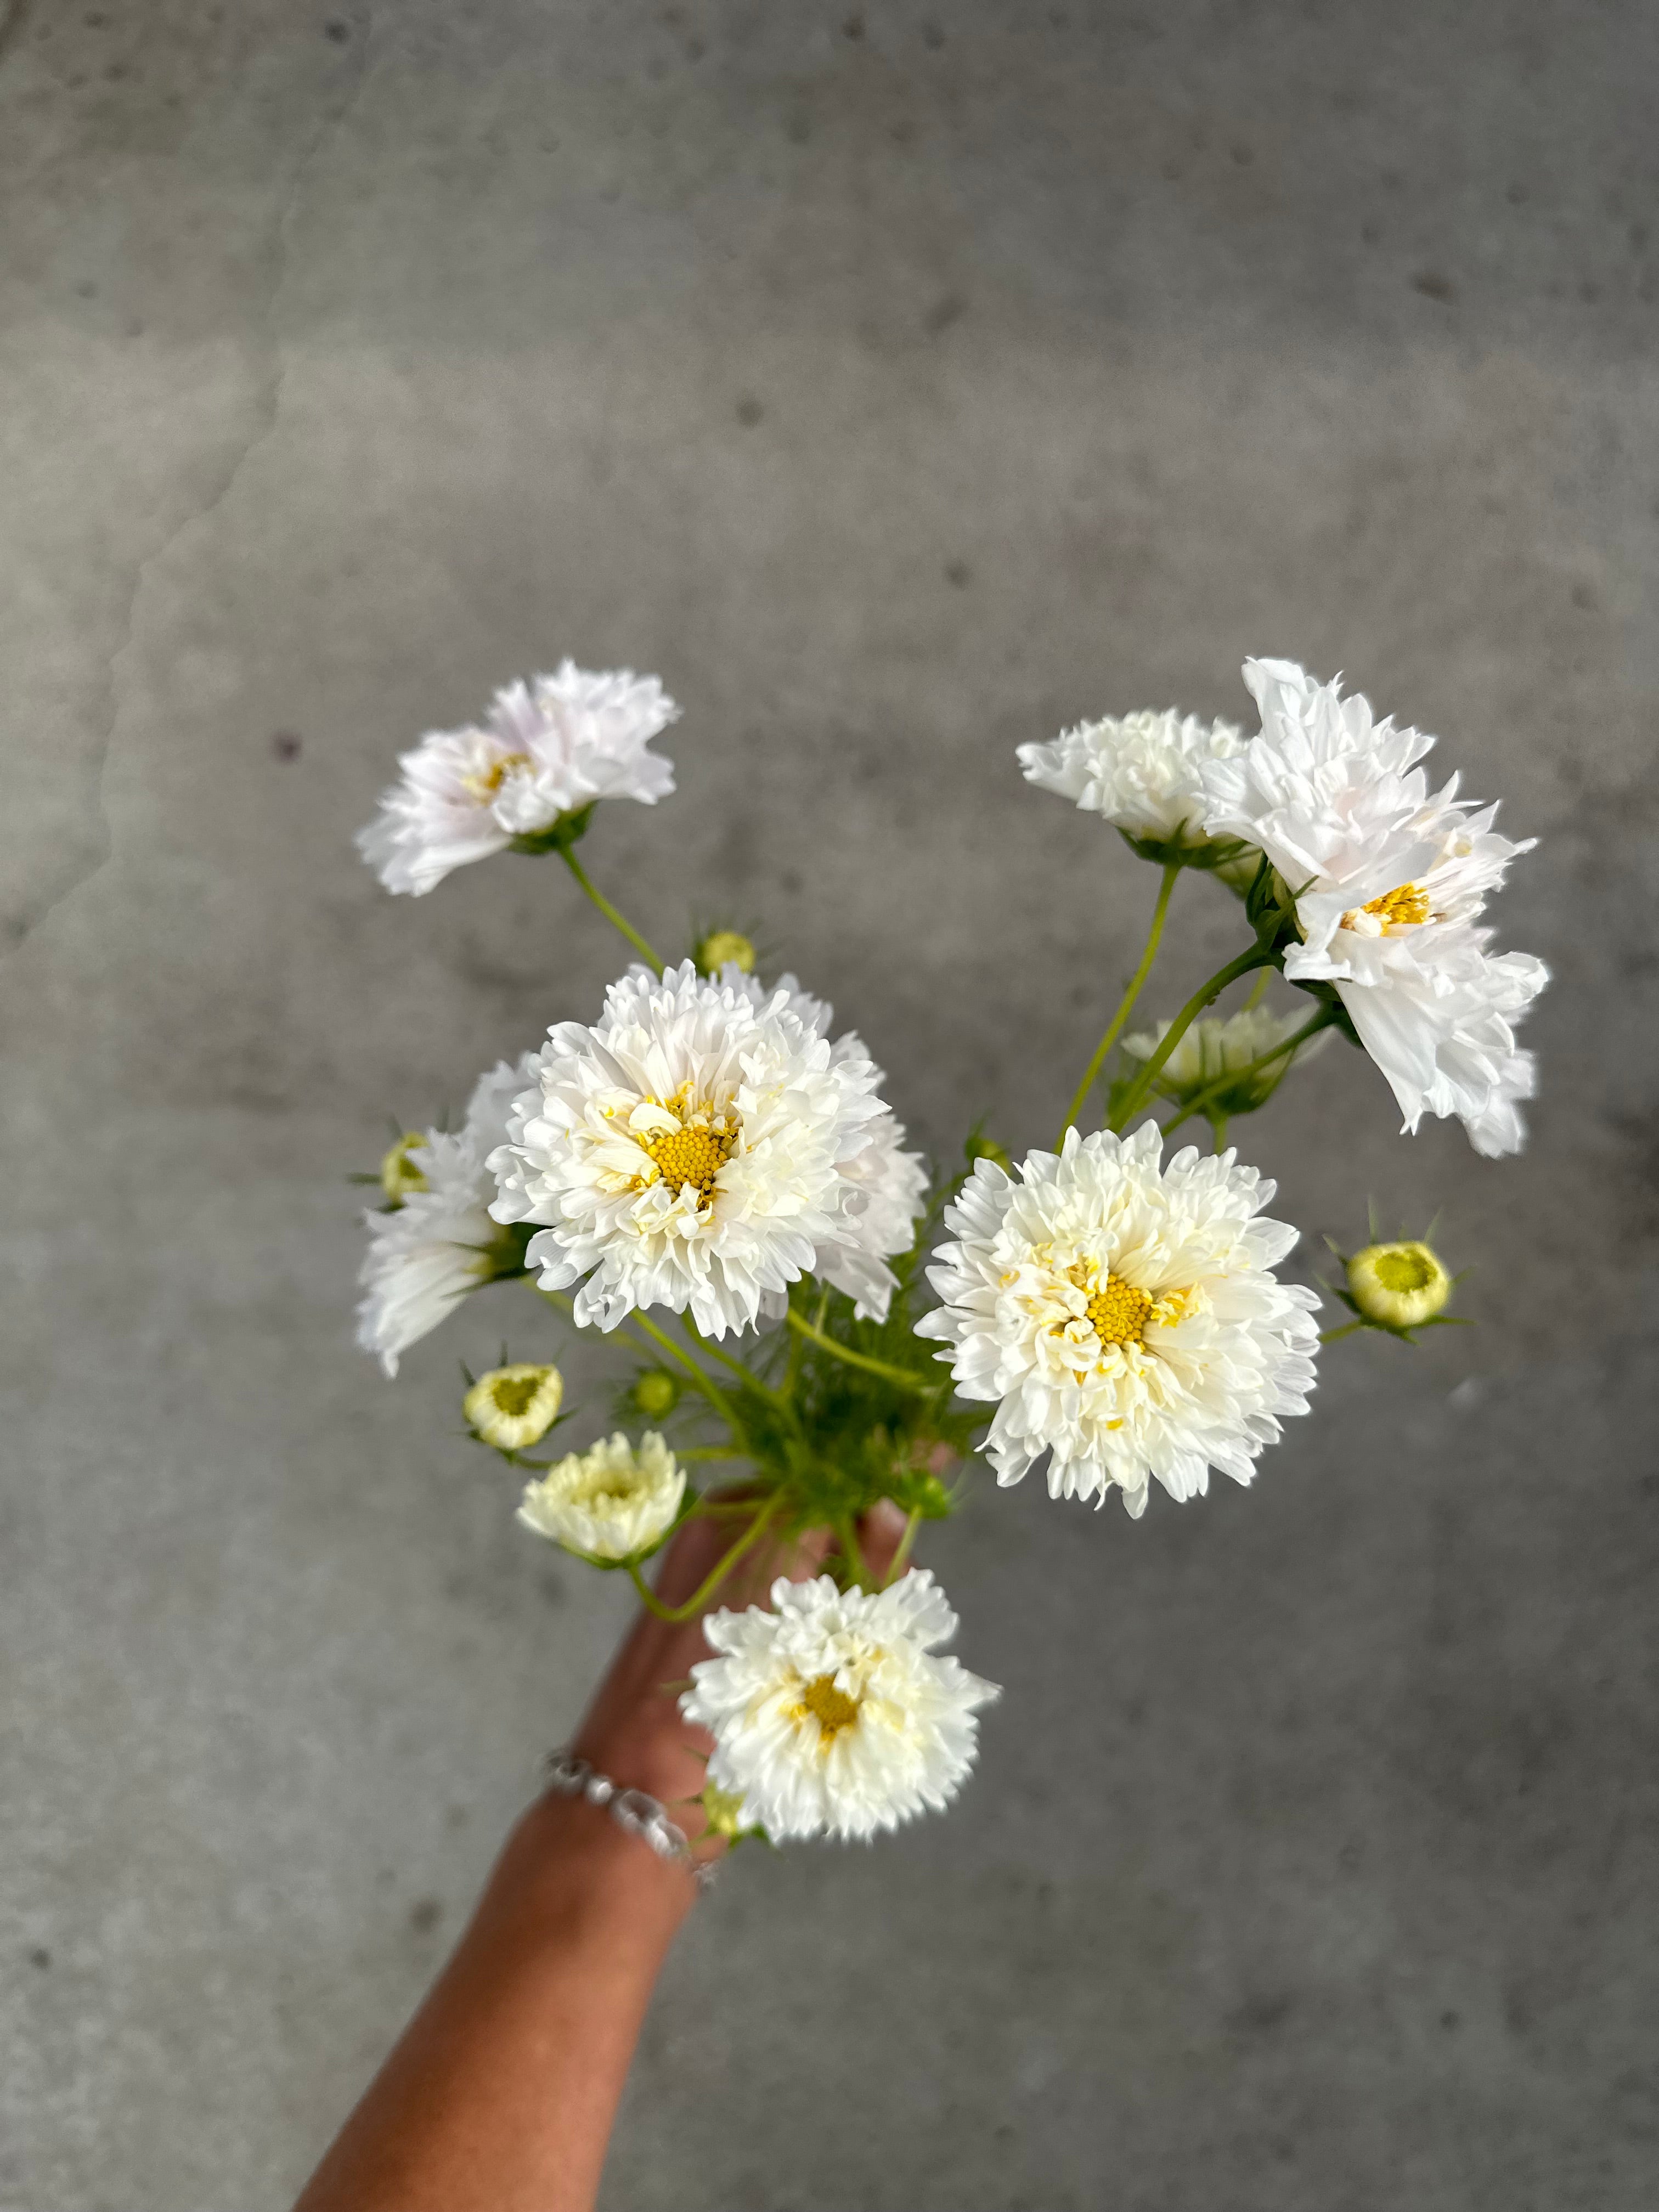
[[711, 1389], [847, 1530], [616, 921], [857, 1359], [747, 1375], [1125, 1004], [902, 1556], [701, 1595], [1330, 1335], [1258, 956], [1258, 990], [1199, 1102]]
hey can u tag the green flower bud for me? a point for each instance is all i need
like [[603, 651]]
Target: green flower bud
[[980, 1147], [399, 1175], [720, 945], [1398, 1285], [656, 1393], [512, 1406]]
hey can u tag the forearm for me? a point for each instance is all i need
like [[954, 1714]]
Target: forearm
[[500, 2094]]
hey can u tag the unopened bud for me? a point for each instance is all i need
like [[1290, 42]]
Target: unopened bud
[[399, 1175], [512, 1406], [656, 1393], [1398, 1285], [722, 946], [980, 1147]]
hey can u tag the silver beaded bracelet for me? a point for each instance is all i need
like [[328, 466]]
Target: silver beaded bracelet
[[631, 1809]]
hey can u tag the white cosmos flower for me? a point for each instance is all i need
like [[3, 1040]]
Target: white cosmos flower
[[1211, 1048], [832, 1714], [1142, 771], [1389, 881], [610, 1502], [547, 748], [694, 1149], [440, 1243], [1123, 1315], [888, 1186]]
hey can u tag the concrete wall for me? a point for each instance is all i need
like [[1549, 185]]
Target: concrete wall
[[899, 382]]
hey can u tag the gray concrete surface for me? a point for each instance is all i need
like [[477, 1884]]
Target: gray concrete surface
[[899, 382]]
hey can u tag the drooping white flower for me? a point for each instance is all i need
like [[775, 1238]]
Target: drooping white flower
[[547, 748], [1212, 1048], [513, 1407], [611, 1502], [832, 1714], [440, 1243], [694, 1149], [1388, 880], [1142, 771], [1122, 1315]]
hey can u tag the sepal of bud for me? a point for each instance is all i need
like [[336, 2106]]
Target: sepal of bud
[[723, 1810], [399, 1176], [1190, 848], [564, 830]]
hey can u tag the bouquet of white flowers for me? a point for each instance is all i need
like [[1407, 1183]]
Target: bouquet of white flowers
[[713, 1178]]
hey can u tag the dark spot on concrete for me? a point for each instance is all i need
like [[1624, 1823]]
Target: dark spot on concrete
[[1432, 285], [1452, 2019], [425, 1914], [116, 71], [694, 50], [552, 1588], [94, 18], [1516, 196], [335, 29], [749, 411], [1243, 155], [789, 882], [903, 132], [1589, 292], [285, 744], [797, 131], [1368, 233], [456, 1816], [1173, 172], [932, 36], [853, 28], [85, 289], [40, 1957], [959, 574], [948, 309], [1258, 2014], [1582, 596]]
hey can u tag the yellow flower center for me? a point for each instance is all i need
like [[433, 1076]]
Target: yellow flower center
[[832, 1708], [694, 1156], [514, 1394], [484, 787], [1117, 1312], [1405, 1268], [1405, 905]]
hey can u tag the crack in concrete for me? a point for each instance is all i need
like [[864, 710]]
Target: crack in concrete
[[267, 407]]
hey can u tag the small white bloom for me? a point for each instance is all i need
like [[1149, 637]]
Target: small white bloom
[[612, 1503], [548, 748], [1388, 880], [1398, 1285], [1211, 1048], [1142, 771], [440, 1243], [696, 1148], [1123, 1315], [513, 1407], [831, 1714]]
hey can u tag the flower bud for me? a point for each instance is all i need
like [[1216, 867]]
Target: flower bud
[[723, 1810], [399, 1175], [512, 1406], [720, 945], [1397, 1285], [656, 1393]]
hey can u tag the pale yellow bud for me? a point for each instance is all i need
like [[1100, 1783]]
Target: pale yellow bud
[[1398, 1285], [512, 1406], [399, 1174], [721, 945]]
